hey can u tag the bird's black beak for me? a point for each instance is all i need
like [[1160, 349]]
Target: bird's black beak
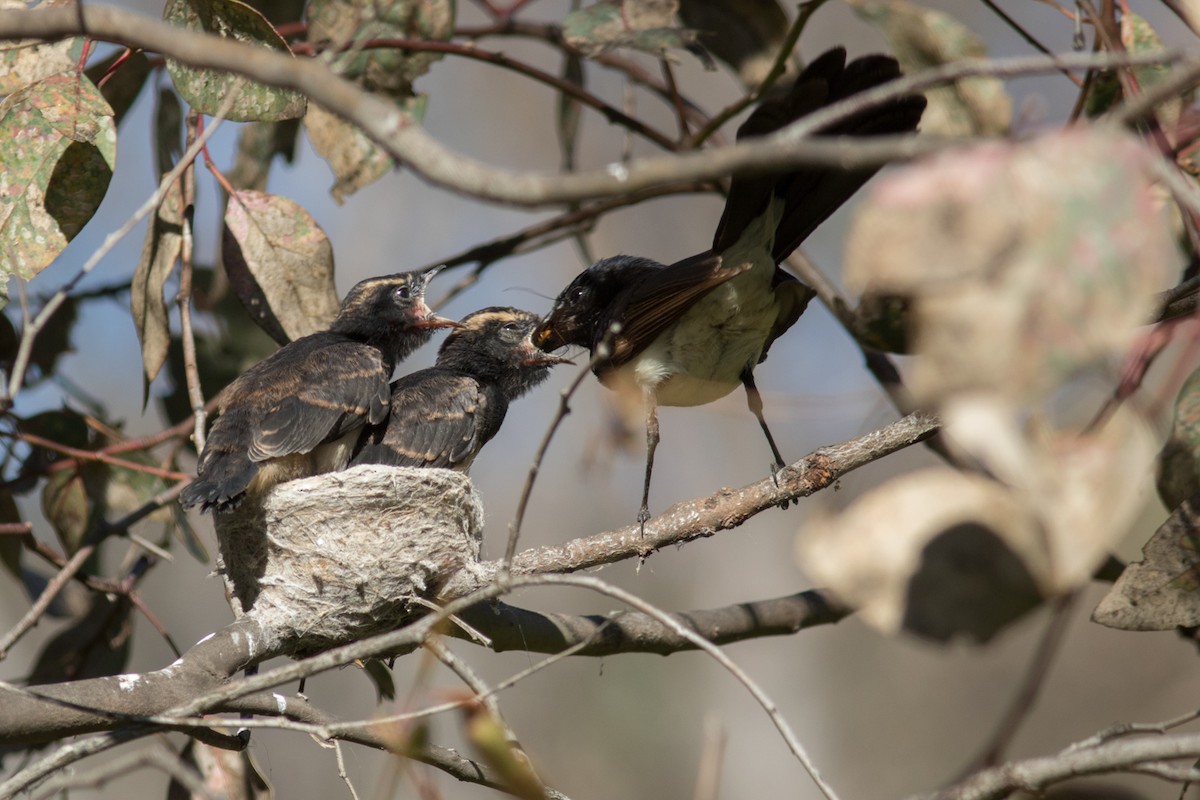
[[547, 338], [537, 358]]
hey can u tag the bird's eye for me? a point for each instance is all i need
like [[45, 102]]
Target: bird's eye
[[511, 331], [402, 292], [577, 294]]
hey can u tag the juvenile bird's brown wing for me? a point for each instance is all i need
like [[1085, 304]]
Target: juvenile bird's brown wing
[[659, 300], [439, 418], [328, 393]]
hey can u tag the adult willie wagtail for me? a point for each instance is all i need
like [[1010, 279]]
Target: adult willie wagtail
[[298, 412], [443, 415], [692, 331]]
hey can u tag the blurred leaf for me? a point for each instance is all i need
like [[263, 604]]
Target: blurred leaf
[[355, 159], [229, 774], [645, 25], [65, 504], [279, 12], [95, 645], [1138, 38], [258, 145], [1162, 591], [1085, 489], [125, 84], [206, 90], [884, 321], [922, 38], [381, 678], [345, 24], [62, 426], [1026, 263], [490, 738], [1179, 460], [163, 246], [10, 546], [569, 110], [27, 61], [745, 34], [280, 264], [58, 144], [937, 553]]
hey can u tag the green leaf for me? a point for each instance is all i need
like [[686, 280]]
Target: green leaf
[[258, 145], [280, 264], [27, 61], [381, 678], [58, 144], [745, 34], [645, 25], [163, 246], [65, 504], [923, 38], [206, 90]]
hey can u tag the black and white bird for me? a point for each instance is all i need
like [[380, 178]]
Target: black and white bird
[[299, 411], [442, 416], [691, 332]]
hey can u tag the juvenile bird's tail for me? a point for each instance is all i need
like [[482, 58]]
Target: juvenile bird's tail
[[225, 472], [811, 194]]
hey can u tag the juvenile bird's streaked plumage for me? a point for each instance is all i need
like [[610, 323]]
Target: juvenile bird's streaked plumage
[[298, 411], [443, 415], [692, 331]]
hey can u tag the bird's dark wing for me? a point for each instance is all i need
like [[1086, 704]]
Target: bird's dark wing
[[439, 418], [334, 389], [812, 194], [660, 299]]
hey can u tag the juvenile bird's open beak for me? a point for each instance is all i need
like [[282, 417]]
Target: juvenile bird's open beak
[[434, 321]]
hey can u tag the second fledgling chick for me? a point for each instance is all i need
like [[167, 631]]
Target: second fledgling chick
[[298, 411], [442, 416]]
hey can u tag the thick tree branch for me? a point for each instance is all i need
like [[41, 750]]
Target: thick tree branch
[[695, 519], [383, 122]]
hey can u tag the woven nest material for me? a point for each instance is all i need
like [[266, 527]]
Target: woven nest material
[[323, 561]]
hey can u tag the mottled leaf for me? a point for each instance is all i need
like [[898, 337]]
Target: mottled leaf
[[58, 146], [280, 264], [1162, 591], [207, 90], [126, 81], [937, 553], [65, 504], [162, 248], [1179, 460], [645, 25], [1138, 38], [342, 24], [355, 159], [922, 38], [95, 645], [27, 61], [745, 34], [1025, 263]]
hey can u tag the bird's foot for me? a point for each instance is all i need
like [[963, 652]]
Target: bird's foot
[[777, 468], [643, 517]]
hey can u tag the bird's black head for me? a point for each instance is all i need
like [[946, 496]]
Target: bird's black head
[[494, 344], [584, 309], [390, 313]]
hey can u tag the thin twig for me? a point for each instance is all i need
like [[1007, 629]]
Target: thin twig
[[778, 68], [564, 408], [768, 705], [1028, 37], [53, 587], [77, 454], [184, 298], [341, 769]]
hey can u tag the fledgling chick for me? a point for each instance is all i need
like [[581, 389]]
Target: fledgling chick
[[442, 416], [693, 331], [298, 411]]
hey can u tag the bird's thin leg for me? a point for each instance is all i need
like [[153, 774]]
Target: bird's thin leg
[[755, 403], [651, 446]]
